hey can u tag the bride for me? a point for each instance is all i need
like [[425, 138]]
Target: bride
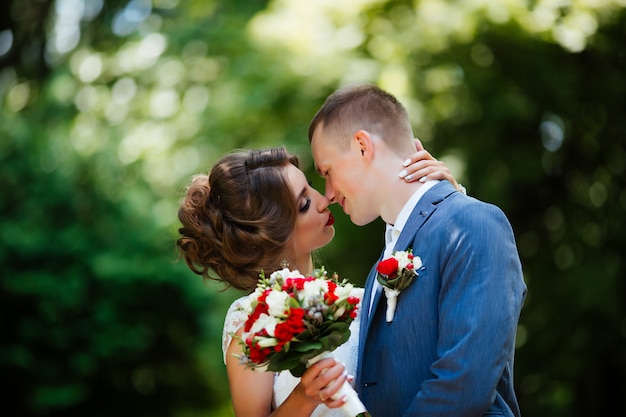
[[256, 211]]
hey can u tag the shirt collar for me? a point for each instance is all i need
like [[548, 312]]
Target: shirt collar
[[406, 211]]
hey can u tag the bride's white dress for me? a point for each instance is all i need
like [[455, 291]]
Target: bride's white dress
[[284, 382]]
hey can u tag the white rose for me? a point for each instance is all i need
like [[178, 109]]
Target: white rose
[[246, 303], [284, 274], [264, 322], [343, 292], [312, 290], [277, 303], [403, 259], [417, 263]]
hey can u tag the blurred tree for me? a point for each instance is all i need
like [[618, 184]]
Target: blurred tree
[[98, 318]]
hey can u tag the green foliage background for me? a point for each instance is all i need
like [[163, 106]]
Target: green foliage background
[[107, 107]]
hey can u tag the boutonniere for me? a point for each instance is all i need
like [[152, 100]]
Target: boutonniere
[[395, 274]]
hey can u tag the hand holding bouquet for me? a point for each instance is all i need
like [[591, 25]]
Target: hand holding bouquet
[[295, 320]]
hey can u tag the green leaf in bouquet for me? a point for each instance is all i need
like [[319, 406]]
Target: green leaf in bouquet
[[335, 326], [282, 361], [298, 370], [333, 340], [304, 335], [304, 347], [294, 303]]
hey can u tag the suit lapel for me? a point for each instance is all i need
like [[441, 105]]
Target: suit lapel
[[365, 317], [413, 225], [425, 207], [365, 303]]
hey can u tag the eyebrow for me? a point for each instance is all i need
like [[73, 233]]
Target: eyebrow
[[304, 189]]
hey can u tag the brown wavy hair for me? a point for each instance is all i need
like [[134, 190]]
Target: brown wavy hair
[[238, 220]]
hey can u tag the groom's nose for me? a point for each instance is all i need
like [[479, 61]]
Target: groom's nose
[[329, 192]]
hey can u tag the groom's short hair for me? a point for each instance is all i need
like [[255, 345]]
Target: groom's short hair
[[363, 107]]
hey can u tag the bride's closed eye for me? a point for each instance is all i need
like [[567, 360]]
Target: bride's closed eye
[[304, 204]]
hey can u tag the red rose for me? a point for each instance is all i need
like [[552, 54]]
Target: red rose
[[388, 267], [330, 297], [296, 320], [286, 330], [258, 354], [284, 333], [296, 284]]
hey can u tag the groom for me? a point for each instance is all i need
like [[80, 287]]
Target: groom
[[449, 349]]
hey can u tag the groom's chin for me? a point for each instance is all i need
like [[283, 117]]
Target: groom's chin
[[359, 220]]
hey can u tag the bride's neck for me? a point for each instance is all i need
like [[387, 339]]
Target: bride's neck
[[304, 264]]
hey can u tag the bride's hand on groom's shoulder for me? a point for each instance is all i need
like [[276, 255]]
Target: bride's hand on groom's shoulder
[[422, 166]]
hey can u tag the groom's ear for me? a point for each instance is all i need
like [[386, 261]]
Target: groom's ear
[[362, 142]]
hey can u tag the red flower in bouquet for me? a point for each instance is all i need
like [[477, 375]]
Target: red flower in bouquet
[[395, 274]]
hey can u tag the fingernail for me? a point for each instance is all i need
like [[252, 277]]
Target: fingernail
[[406, 163], [423, 179], [403, 173], [409, 177]]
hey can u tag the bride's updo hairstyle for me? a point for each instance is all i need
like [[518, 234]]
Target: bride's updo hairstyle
[[238, 220]]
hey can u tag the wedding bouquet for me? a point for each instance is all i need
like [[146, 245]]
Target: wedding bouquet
[[394, 275], [295, 320]]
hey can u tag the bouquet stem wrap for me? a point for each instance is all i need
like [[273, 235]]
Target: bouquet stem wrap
[[353, 406]]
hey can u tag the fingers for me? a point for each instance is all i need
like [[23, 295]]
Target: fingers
[[424, 170], [331, 393], [419, 156], [322, 380], [422, 167]]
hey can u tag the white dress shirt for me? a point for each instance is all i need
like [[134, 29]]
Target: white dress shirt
[[393, 231]]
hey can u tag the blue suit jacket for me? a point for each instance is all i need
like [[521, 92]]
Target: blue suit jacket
[[449, 349]]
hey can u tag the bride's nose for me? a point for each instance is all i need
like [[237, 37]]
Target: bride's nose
[[321, 202]]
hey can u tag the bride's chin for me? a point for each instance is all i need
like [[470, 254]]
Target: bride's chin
[[327, 241]]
